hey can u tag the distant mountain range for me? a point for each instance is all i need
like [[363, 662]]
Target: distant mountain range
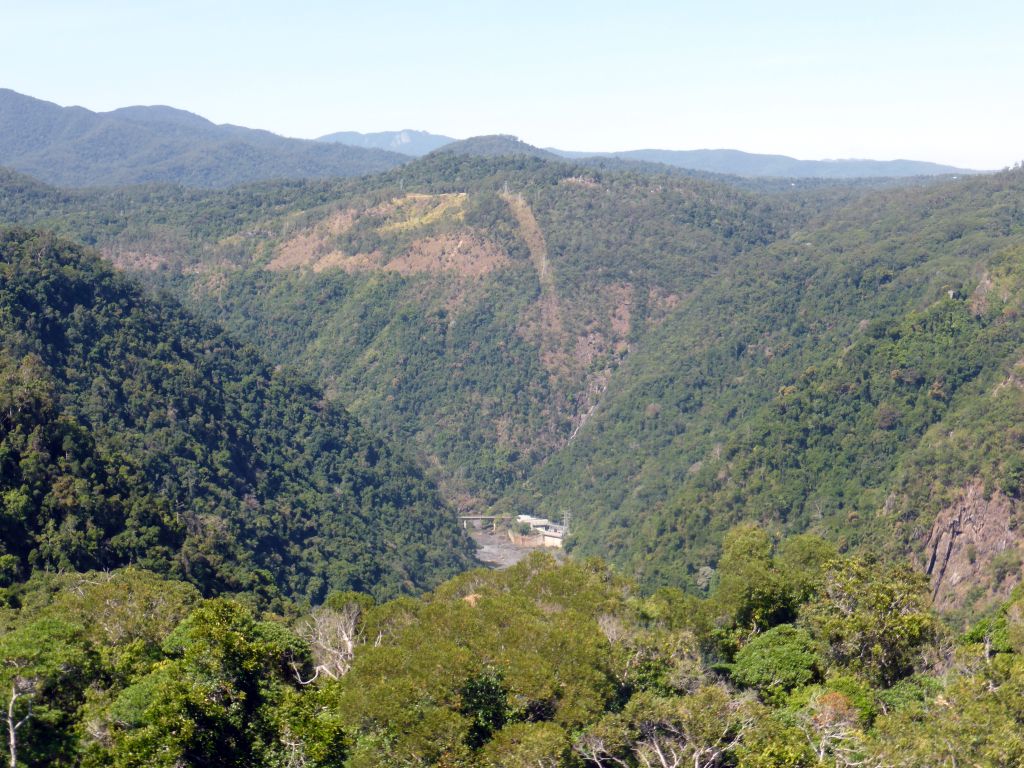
[[725, 161], [412, 143], [420, 143], [72, 146], [737, 163]]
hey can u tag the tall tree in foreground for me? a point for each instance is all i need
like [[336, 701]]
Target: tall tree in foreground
[[45, 668]]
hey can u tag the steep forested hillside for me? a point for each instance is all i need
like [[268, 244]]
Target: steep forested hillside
[[132, 433], [661, 356], [791, 387], [76, 147], [451, 319]]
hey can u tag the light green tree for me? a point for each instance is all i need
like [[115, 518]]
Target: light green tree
[[45, 668], [874, 621]]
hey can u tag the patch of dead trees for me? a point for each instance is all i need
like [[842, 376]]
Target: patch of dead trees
[[333, 637]]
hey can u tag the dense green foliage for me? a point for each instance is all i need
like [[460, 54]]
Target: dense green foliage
[[797, 381], [690, 353], [518, 392], [777, 661], [541, 665], [754, 399], [132, 433]]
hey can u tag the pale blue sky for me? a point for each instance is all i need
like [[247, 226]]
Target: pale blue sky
[[923, 80]]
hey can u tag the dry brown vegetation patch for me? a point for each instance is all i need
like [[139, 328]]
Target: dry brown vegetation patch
[[311, 246], [419, 210], [361, 262], [979, 299], [465, 253], [581, 181], [140, 260], [660, 304], [547, 323], [621, 315], [301, 251], [589, 347], [154, 248]]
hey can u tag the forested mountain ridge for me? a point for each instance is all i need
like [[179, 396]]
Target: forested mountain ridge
[[432, 281], [777, 332], [659, 355], [732, 161], [73, 146], [496, 145], [133, 433]]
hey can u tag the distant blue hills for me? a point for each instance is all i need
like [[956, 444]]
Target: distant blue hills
[[73, 146], [407, 142], [727, 161]]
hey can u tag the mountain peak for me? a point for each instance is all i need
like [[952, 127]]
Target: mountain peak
[[406, 141], [160, 113], [496, 145], [73, 146], [749, 164]]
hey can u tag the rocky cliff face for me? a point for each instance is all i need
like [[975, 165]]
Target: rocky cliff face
[[973, 552]]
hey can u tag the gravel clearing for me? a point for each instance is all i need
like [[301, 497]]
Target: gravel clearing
[[496, 551]]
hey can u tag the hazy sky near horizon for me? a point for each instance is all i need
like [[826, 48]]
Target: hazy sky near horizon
[[932, 80]]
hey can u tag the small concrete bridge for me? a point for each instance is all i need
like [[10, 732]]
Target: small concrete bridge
[[493, 519]]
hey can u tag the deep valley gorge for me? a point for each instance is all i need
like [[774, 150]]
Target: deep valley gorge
[[425, 452]]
